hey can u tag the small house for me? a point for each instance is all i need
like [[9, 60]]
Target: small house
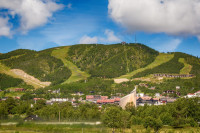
[[19, 89], [123, 43], [32, 118]]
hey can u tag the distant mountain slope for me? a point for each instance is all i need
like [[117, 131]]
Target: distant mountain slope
[[187, 67], [111, 60], [160, 59], [7, 81], [41, 64], [90, 61], [15, 53], [77, 75], [180, 63], [13, 75]]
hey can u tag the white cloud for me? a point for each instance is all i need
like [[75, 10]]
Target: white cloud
[[175, 17], [33, 13], [69, 6], [111, 37], [88, 40], [4, 27], [167, 44]]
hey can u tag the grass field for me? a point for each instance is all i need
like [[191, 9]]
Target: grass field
[[81, 128], [77, 74], [187, 67], [160, 59]]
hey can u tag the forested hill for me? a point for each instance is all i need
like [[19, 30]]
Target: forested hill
[[61, 64], [111, 61]]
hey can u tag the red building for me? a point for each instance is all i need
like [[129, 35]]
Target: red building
[[19, 89]]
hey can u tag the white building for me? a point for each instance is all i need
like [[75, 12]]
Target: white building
[[191, 95], [140, 94], [157, 95]]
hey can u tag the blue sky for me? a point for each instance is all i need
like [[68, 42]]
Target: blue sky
[[69, 22]]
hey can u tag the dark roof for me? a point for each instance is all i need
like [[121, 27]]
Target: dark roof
[[32, 118]]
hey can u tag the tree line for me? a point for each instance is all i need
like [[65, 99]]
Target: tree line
[[178, 114]]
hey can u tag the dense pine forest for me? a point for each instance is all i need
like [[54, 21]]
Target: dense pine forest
[[111, 61]]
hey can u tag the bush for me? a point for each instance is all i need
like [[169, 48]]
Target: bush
[[193, 123], [149, 121], [135, 120], [166, 118]]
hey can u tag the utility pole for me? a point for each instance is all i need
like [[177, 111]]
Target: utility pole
[[59, 115]]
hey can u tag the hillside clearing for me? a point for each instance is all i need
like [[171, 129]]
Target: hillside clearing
[[17, 73], [160, 59], [77, 74], [187, 67]]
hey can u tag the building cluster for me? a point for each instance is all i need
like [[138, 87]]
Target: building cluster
[[19, 89], [61, 100], [172, 92], [98, 99], [158, 99], [174, 75], [138, 99]]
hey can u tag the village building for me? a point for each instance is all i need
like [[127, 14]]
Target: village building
[[78, 94], [144, 85], [166, 100], [94, 98], [174, 75], [171, 92], [178, 87], [109, 101], [32, 118], [123, 43], [140, 94], [141, 101], [157, 95], [152, 88], [191, 95], [19, 89]]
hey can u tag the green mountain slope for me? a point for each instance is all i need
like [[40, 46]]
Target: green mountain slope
[[68, 67], [8, 81], [173, 66], [19, 74], [187, 67], [77, 75], [160, 59], [41, 65], [111, 61]]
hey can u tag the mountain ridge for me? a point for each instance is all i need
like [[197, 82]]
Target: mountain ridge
[[87, 62]]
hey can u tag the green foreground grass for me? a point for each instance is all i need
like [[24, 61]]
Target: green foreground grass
[[77, 74], [160, 59], [187, 67], [81, 128]]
